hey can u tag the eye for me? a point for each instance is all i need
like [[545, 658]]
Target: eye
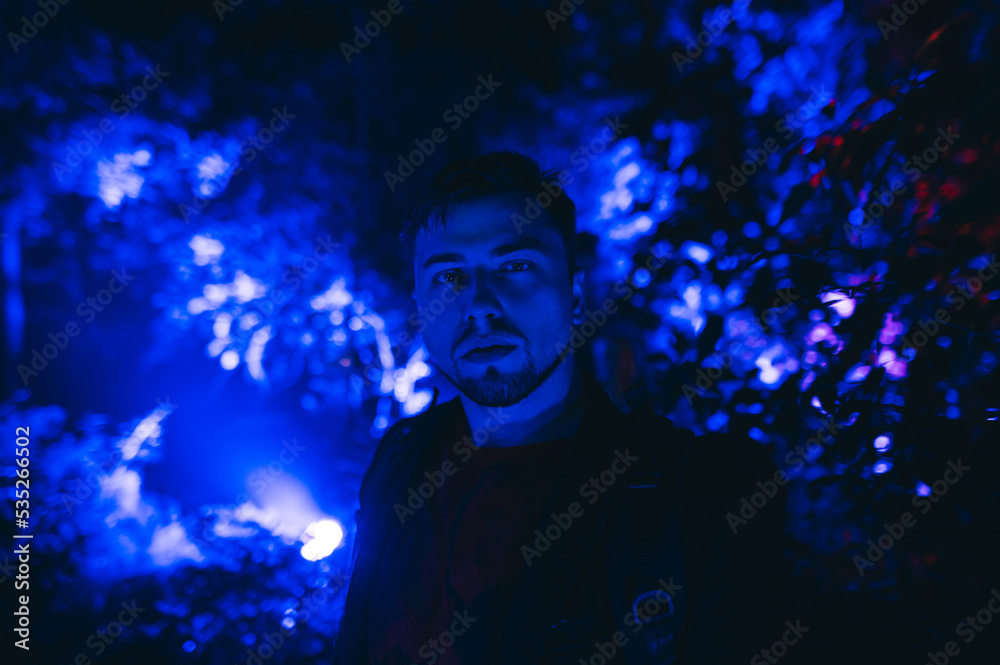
[[443, 277], [519, 265]]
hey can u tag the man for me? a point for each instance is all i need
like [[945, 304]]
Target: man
[[528, 520]]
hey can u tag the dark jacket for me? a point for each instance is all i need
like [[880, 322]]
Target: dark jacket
[[729, 588]]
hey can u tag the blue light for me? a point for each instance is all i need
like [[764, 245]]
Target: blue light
[[882, 466], [188, 646], [923, 489], [734, 293], [767, 20], [882, 443], [757, 434], [751, 230], [717, 421], [641, 277], [712, 297], [697, 252]]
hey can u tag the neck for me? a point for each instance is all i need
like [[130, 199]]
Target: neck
[[551, 411]]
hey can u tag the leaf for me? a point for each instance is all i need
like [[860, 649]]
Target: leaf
[[800, 193]]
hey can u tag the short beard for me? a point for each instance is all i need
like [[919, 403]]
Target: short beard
[[496, 389]]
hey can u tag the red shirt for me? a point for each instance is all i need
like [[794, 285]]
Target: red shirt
[[454, 563]]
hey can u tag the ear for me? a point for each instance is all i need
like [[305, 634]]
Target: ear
[[578, 299]]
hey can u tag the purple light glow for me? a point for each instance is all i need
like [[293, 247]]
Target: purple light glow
[[839, 302]]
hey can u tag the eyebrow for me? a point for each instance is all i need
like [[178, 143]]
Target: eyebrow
[[526, 242]]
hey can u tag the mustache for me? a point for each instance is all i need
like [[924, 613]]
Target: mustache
[[496, 329]]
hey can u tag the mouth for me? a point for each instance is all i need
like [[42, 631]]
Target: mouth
[[489, 353]]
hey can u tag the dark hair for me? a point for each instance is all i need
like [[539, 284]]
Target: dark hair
[[472, 178]]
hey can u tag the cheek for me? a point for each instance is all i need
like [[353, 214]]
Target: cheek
[[438, 322], [547, 316]]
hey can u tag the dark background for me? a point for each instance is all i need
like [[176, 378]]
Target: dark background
[[109, 529]]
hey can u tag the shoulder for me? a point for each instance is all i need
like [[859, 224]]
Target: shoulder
[[402, 433]]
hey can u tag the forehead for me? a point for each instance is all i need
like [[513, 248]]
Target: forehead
[[481, 224]]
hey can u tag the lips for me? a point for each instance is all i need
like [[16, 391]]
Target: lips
[[487, 343], [489, 353]]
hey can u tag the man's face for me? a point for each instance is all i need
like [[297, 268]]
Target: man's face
[[497, 304]]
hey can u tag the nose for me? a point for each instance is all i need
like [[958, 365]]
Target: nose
[[481, 302]]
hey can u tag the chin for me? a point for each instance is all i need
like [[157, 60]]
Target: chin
[[493, 387]]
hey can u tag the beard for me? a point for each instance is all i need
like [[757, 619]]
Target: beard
[[496, 388]]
